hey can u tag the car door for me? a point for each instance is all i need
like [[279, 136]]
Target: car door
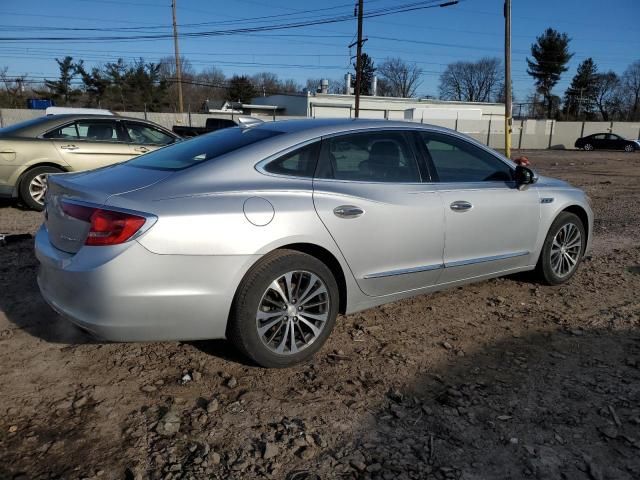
[[599, 141], [90, 143], [145, 138], [491, 226], [388, 224], [614, 142]]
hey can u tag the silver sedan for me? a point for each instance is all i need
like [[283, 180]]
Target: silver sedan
[[264, 233]]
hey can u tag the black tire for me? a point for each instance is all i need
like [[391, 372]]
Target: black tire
[[242, 328], [25, 191], [544, 268], [588, 147], [629, 148]]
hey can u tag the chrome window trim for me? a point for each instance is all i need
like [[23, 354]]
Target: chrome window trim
[[260, 166], [458, 263], [492, 258], [410, 128], [404, 271]]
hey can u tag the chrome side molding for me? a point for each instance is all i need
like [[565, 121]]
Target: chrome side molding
[[458, 263]]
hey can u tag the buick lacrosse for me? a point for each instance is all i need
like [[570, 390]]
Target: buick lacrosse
[[264, 233]]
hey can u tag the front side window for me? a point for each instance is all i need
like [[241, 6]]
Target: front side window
[[88, 130], [201, 149], [299, 163], [369, 157], [457, 160], [142, 134]]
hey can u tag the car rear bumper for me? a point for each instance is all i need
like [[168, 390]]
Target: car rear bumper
[[126, 293]]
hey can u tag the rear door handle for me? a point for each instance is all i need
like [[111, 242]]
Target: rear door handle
[[347, 211], [69, 147], [460, 206]]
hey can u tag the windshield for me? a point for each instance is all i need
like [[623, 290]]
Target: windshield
[[201, 149]]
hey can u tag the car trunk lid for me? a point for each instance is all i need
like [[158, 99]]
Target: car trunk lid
[[94, 187]]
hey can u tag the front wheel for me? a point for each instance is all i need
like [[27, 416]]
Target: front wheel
[[562, 250], [284, 310], [629, 148], [588, 147], [33, 186]]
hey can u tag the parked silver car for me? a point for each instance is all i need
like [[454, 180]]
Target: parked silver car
[[263, 234]]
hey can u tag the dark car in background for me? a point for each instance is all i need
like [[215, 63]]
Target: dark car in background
[[211, 125], [607, 141]]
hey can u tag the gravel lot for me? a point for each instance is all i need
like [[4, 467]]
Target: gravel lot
[[498, 380]]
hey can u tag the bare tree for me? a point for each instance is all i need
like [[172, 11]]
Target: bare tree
[[402, 78], [472, 81], [607, 94], [631, 88], [266, 83], [335, 86], [14, 88]]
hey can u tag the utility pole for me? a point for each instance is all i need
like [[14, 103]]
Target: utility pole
[[177, 52], [508, 119], [359, 58]]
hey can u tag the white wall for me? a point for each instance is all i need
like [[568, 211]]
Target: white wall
[[527, 134]]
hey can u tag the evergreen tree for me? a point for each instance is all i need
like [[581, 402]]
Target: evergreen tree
[[550, 56], [241, 89], [579, 98], [368, 71], [62, 89]]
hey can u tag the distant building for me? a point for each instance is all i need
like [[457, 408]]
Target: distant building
[[323, 105], [225, 106]]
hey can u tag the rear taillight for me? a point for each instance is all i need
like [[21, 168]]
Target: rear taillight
[[108, 227]]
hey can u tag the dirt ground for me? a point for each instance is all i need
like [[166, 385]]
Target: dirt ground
[[499, 380]]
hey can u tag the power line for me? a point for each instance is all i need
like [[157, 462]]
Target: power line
[[264, 28]]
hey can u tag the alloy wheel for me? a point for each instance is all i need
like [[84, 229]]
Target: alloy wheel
[[293, 312], [38, 188], [588, 147], [565, 250], [628, 148]]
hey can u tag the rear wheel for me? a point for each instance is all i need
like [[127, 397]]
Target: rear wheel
[[562, 250], [284, 310], [588, 147], [629, 148], [33, 186]]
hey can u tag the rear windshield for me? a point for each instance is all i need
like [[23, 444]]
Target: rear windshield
[[19, 126], [201, 149]]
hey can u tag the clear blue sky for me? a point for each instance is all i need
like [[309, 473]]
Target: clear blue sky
[[607, 31]]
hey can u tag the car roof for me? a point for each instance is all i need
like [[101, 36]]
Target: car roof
[[33, 127], [327, 126]]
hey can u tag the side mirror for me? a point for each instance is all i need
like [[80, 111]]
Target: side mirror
[[524, 176]]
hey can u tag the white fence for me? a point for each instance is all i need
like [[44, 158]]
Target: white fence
[[526, 134]]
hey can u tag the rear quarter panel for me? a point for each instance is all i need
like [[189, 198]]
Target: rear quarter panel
[[20, 154]]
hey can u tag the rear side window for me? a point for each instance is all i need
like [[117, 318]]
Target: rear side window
[[369, 157], [142, 134], [299, 163], [201, 149], [89, 130]]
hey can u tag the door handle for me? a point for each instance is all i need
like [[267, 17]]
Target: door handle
[[69, 147], [141, 149], [347, 211], [460, 206]]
